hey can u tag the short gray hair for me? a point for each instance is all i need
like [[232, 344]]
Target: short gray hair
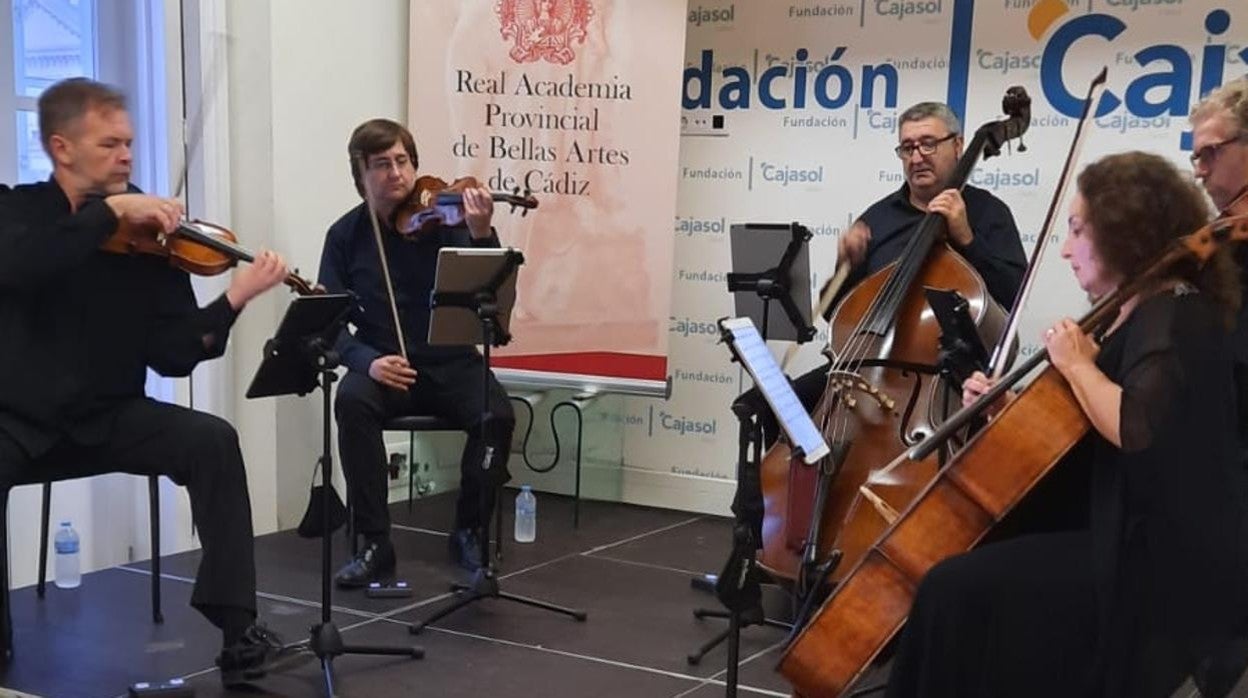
[[1232, 97], [927, 110], [63, 104]]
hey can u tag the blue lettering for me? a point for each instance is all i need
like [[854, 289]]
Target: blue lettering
[[1179, 80], [1054, 58]]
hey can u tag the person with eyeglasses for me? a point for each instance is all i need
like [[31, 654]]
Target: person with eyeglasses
[[1220, 162], [380, 382], [981, 227]]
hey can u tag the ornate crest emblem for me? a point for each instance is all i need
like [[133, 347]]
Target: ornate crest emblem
[[544, 30]]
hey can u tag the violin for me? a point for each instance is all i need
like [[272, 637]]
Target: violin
[[435, 203], [196, 247], [1238, 206]]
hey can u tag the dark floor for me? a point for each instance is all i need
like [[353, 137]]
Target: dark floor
[[628, 567]]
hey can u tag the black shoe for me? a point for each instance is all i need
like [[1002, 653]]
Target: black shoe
[[259, 652], [374, 563], [465, 549]]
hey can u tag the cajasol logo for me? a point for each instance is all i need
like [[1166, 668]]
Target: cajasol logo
[[800, 82], [786, 174], [1171, 81], [690, 327], [686, 426], [903, 9], [1006, 62], [712, 15], [689, 226], [997, 178]]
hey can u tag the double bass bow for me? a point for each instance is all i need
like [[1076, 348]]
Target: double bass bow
[[883, 389]]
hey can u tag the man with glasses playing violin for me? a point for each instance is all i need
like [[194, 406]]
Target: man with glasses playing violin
[[82, 326], [386, 379], [1220, 162]]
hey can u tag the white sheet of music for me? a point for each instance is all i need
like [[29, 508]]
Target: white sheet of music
[[775, 387]]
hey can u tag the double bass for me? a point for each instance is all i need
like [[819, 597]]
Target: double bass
[[883, 395]]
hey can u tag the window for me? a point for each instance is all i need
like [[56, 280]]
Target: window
[[113, 41], [51, 40]]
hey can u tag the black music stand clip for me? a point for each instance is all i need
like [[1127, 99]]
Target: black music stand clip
[[787, 282], [298, 359], [474, 290]]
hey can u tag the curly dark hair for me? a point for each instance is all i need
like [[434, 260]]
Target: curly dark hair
[[1137, 204]]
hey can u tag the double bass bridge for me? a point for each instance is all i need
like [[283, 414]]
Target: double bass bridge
[[846, 385]]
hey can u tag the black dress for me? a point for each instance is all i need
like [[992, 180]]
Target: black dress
[[1158, 580]]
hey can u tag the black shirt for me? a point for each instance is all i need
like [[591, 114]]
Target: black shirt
[[996, 251], [350, 263], [81, 326]]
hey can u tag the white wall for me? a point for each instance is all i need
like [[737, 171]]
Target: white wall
[[303, 74]]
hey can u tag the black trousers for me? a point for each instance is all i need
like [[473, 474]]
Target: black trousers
[[195, 450], [449, 389]]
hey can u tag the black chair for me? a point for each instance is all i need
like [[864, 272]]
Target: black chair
[[6, 618], [410, 424]]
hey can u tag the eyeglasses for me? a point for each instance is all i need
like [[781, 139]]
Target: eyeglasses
[[925, 146], [386, 164], [1208, 153]]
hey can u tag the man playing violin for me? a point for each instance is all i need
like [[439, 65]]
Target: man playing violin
[[385, 379], [1220, 161], [980, 226], [81, 328]]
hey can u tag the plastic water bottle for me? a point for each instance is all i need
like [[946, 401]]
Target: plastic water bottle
[[68, 571], [526, 515]]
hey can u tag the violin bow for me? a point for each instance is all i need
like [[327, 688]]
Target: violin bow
[[825, 301], [381, 254], [997, 363]]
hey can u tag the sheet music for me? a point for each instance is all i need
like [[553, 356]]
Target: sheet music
[[775, 387]]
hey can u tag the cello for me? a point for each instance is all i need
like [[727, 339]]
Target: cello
[[958, 507], [883, 393]]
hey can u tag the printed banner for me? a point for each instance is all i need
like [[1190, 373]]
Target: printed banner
[[570, 100]]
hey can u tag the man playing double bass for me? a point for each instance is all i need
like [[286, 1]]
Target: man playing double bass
[[981, 228], [385, 379]]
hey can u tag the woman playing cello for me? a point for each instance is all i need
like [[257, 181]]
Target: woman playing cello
[[1156, 587]]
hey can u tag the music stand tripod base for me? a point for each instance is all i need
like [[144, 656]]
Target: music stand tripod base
[[474, 290], [298, 359]]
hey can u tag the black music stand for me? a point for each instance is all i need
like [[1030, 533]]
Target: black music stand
[[738, 586], [788, 282], [755, 286], [474, 290], [298, 359]]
